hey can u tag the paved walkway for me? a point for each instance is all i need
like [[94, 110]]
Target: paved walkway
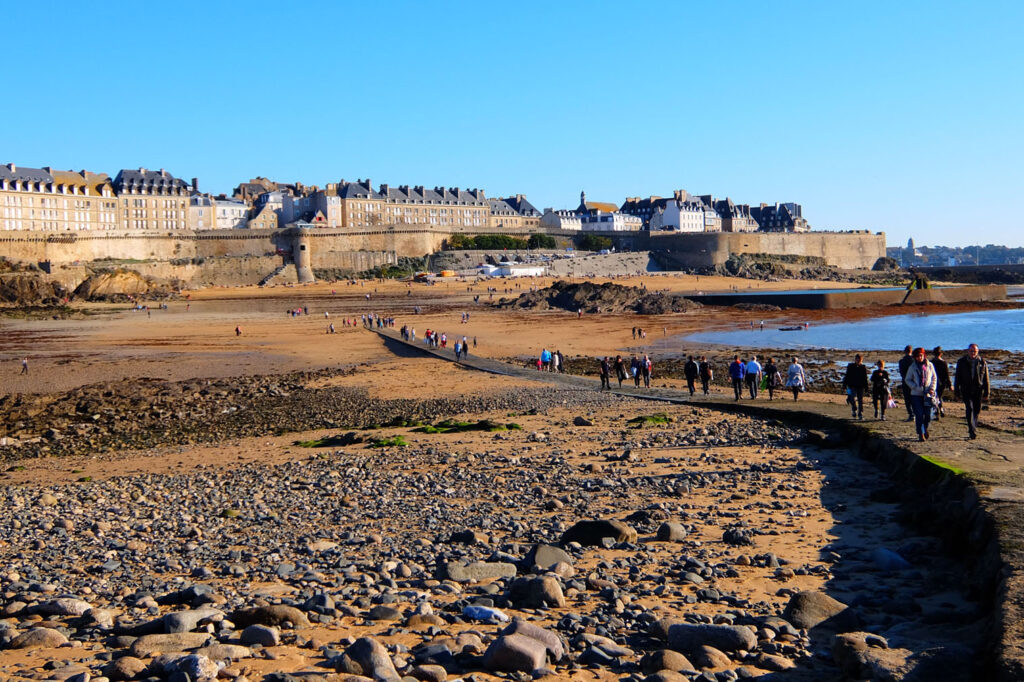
[[991, 468]]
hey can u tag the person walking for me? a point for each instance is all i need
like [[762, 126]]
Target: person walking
[[880, 389], [736, 371], [904, 365], [645, 369], [634, 369], [458, 350], [753, 376], [706, 374], [972, 386], [620, 369], [942, 374], [796, 379], [773, 379], [605, 375], [856, 382], [691, 371], [24, 365], [922, 382]]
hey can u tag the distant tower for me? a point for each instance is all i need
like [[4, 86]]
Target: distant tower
[[583, 198], [910, 244]]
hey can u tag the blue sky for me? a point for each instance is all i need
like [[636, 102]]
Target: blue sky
[[903, 117]]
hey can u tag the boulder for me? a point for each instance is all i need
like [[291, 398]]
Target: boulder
[[196, 666], [546, 556], [812, 609], [515, 653], [277, 615], [264, 635], [64, 606], [478, 570], [187, 621], [592, 533], [535, 593], [670, 531], [39, 638], [666, 659], [151, 645], [125, 668], [688, 638], [366, 656], [550, 640]]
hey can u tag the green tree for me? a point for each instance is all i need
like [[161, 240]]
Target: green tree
[[541, 241], [591, 242]]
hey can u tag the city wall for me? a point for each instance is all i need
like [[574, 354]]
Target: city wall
[[245, 256]]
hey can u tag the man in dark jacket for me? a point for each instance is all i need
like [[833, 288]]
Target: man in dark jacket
[[972, 385], [606, 374], [905, 362], [690, 371], [856, 382], [706, 374], [942, 375]]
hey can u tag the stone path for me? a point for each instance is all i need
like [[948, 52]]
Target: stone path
[[987, 475]]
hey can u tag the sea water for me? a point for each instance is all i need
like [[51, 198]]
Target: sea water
[[1002, 329]]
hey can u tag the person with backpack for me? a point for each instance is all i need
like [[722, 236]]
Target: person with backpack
[[706, 374]]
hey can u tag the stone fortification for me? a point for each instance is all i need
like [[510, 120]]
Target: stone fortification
[[310, 249]]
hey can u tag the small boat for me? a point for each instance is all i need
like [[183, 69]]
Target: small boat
[[790, 329]]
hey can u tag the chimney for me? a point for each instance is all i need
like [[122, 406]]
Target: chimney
[[384, 189], [195, 184], [12, 167], [163, 173], [369, 185], [48, 170]]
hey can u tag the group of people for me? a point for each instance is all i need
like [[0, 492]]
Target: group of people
[[639, 333], [640, 369], [924, 383], [752, 374], [551, 361], [371, 320]]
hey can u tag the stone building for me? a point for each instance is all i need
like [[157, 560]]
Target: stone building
[[322, 203], [57, 201], [679, 214], [231, 214], [735, 217], [597, 216], [201, 213], [645, 209], [513, 212], [786, 217], [264, 218], [274, 202], [151, 200], [561, 220], [362, 207]]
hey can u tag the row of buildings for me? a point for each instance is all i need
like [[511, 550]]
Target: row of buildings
[[44, 199]]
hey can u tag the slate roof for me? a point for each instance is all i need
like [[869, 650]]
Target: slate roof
[[147, 181], [501, 207], [521, 206], [25, 174]]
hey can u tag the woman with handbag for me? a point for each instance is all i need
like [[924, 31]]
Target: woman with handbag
[[922, 381], [796, 380]]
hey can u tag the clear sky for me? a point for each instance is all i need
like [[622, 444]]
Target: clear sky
[[897, 116]]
